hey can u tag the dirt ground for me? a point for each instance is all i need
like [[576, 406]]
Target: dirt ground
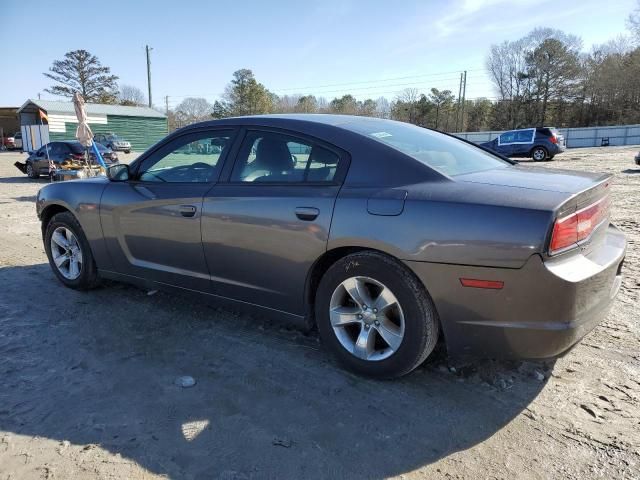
[[87, 383]]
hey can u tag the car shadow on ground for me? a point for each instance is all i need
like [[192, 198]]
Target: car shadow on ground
[[24, 179], [631, 170], [99, 368]]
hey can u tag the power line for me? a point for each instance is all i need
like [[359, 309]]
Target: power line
[[379, 81]]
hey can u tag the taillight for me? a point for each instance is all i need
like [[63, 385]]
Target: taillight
[[553, 139], [571, 230]]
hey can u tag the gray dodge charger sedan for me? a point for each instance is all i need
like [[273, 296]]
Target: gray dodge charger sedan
[[383, 235]]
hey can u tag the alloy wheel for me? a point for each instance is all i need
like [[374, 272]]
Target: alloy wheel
[[66, 253], [539, 154], [367, 318]]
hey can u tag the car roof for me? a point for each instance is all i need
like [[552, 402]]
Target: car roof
[[294, 120]]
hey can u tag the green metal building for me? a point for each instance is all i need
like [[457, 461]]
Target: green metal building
[[142, 126]]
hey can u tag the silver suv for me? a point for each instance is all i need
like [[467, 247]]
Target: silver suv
[[112, 141]]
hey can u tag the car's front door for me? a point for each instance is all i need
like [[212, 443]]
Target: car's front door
[[263, 229], [151, 223], [505, 143]]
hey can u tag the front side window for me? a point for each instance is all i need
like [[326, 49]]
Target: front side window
[[192, 158], [507, 137], [267, 157]]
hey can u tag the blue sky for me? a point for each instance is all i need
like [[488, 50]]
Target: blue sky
[[324, 47]]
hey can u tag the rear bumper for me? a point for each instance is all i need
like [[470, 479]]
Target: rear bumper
[[544, 308]]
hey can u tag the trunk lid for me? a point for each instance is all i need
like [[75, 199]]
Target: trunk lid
[[536, 178], [577, 190]]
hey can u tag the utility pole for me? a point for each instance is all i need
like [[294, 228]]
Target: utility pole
[[149, 73], [464, 94], [166, 104], [459, 101]]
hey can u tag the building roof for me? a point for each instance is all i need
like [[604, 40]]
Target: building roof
[[54, 107]]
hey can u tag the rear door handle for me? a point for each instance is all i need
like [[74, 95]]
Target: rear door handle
[[187, 210], [307, 213]]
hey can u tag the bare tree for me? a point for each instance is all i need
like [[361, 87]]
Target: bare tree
[[287, 103], [409, 97], [383, 108], [191, 110], [633, 23], [131, 95], [323, 105]]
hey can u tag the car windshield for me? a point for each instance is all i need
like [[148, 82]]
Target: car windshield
[[113, 137], [443, 153]]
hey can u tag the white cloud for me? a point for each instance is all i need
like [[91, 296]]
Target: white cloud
[[473, 14]]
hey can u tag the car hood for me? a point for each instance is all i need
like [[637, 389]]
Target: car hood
[[535, 178]]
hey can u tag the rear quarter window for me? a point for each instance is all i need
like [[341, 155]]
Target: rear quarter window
[[443, 153]]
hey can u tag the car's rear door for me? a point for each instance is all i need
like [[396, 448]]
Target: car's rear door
[[265, 226], [151, 223]]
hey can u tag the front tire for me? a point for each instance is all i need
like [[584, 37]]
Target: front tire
[[375, 316], [32, 173], [69, 252], [539, 154]]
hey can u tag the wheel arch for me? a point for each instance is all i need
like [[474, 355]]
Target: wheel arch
[[49, 211], [327, 259]]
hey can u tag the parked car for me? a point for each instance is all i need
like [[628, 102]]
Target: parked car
[[114, 142], [542, 143], [14, 142], [637, 159], [63, 152], [382, 234]]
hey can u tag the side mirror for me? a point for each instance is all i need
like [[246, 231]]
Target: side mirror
[[118, 173]]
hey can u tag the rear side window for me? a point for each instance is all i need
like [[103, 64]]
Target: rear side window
[[443, 153], [524, 136], [268, 157]]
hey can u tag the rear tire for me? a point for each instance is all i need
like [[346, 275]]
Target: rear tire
[[87, 276], [32, 172], [539, 154], [407, 316]]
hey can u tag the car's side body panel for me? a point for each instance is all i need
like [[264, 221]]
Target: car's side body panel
[[257, 248], [541, 311], [147, 235], [82, 198]]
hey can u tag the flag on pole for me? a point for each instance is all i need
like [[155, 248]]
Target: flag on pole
[[43, 116]]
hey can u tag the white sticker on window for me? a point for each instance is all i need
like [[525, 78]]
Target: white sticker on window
[[381, 134]]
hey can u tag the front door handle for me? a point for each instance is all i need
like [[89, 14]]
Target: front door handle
[[307, 213], [187, 210]]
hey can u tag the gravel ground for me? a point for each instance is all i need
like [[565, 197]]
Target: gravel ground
[[87, 383]]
